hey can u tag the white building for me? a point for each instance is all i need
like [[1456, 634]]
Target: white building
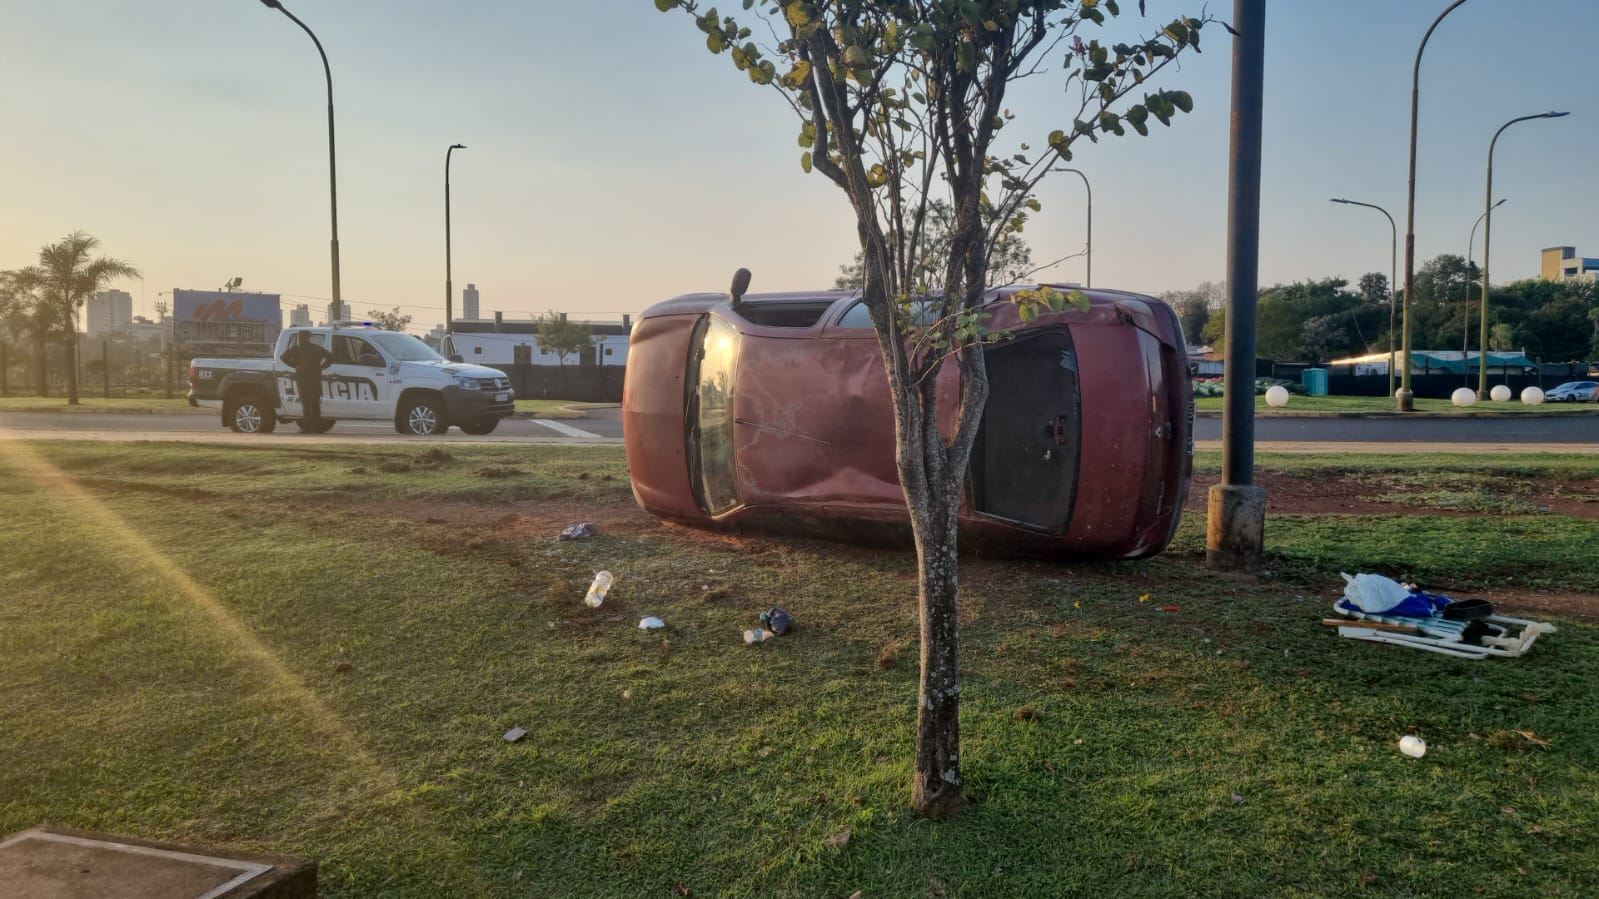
[[300, 316], [469, 304], [108, 311], [499, 342]]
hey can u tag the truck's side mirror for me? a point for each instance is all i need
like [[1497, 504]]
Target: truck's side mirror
[[456, 357], [741, 283]]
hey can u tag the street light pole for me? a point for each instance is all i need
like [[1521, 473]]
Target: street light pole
[[1088, 277], [449, 287], [1405, 397], [1393, 253], [1487, 239], [1465, 308], [336, 308]]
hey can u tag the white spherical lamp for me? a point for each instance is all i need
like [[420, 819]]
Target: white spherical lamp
[[1277, 395], [1500, 393], [1532, 396], [1463, 396]]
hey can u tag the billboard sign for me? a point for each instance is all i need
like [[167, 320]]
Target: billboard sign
[[220, 322]]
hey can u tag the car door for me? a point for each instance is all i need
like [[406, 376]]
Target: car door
[[356, 387]]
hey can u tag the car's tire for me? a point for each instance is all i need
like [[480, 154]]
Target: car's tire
[[320, 426], [247, 412], [422, 416], [479, 428]]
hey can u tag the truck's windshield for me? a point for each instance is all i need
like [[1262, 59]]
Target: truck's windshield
[[404, 347]]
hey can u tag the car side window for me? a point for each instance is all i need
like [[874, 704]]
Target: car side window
[[856, 316], [355, 351]]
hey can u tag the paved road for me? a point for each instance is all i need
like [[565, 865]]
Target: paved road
[[603, 426]]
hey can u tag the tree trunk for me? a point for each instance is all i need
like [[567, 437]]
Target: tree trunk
[[41, 365], [937, 788], [69, 348]]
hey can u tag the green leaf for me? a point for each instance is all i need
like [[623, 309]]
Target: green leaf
[[805, 162], [665, 5], [798, 15], [1181, 100], [715, 42]]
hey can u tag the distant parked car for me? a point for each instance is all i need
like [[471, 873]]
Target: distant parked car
[[1573, 392], [775, 414]]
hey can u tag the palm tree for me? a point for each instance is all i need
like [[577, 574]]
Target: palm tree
[[67, 278]]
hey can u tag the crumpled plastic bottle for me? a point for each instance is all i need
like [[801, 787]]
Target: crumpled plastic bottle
[[598, 589]]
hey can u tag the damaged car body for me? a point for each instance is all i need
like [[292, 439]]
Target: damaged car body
[[772, 412]]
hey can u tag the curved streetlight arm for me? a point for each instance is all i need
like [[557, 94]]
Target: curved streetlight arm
[[1088, 276], [1405, 396], [1393, 253], [1487, 240], [336, 307]]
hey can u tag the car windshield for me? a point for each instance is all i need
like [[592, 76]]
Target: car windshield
[[404, 347]]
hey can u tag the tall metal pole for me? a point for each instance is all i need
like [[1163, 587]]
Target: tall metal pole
[[1465, 308], [1236, 529], [1405, 398], [449, 287], [336, 307], [1487, 239], [1393, 252], [1088, 278]]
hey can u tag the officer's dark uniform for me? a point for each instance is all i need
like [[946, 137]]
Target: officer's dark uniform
[[308, 361]]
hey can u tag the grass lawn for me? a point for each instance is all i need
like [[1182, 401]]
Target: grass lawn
[[155, 402], [1299, 405], [316, 650], [551, 408]]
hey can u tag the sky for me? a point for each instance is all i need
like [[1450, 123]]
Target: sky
[[613, 162]]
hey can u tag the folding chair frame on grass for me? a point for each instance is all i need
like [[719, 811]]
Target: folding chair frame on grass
[[1442, 635]]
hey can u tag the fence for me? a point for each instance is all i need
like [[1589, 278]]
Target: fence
[[105, 368], [579, 383]]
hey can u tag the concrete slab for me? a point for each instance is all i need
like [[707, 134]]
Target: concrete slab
[[55, 863]]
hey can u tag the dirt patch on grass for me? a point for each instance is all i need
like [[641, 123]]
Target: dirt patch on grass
[[494, 530]]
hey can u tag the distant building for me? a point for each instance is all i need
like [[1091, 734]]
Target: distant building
[[501, 342], [1563, 264], [469, 306], [109, 312], [300, 316]]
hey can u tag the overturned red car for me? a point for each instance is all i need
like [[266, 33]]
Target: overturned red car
[[773, 413]]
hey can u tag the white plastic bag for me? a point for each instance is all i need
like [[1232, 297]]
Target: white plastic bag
[[1373, 593]]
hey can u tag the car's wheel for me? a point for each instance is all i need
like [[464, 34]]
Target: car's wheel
[[246, 413], [423, 416], [320, 426], [479, 428]]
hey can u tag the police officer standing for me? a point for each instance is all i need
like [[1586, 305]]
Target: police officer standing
[[308, 361]]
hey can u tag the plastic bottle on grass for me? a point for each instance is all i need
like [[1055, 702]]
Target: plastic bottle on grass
[[598, 589]]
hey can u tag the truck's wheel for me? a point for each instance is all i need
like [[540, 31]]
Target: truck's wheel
[[423, 417], [320, 426], [479, 428], [247, 414]]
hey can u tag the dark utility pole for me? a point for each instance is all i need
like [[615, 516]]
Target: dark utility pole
[[1236, 532], [336, 307], [1406, 399], [449, 288]]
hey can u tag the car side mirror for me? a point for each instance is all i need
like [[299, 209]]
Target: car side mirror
[[741, 283], [456, 357]]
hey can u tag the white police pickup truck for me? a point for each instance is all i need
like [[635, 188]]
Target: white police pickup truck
[[376, 375]]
